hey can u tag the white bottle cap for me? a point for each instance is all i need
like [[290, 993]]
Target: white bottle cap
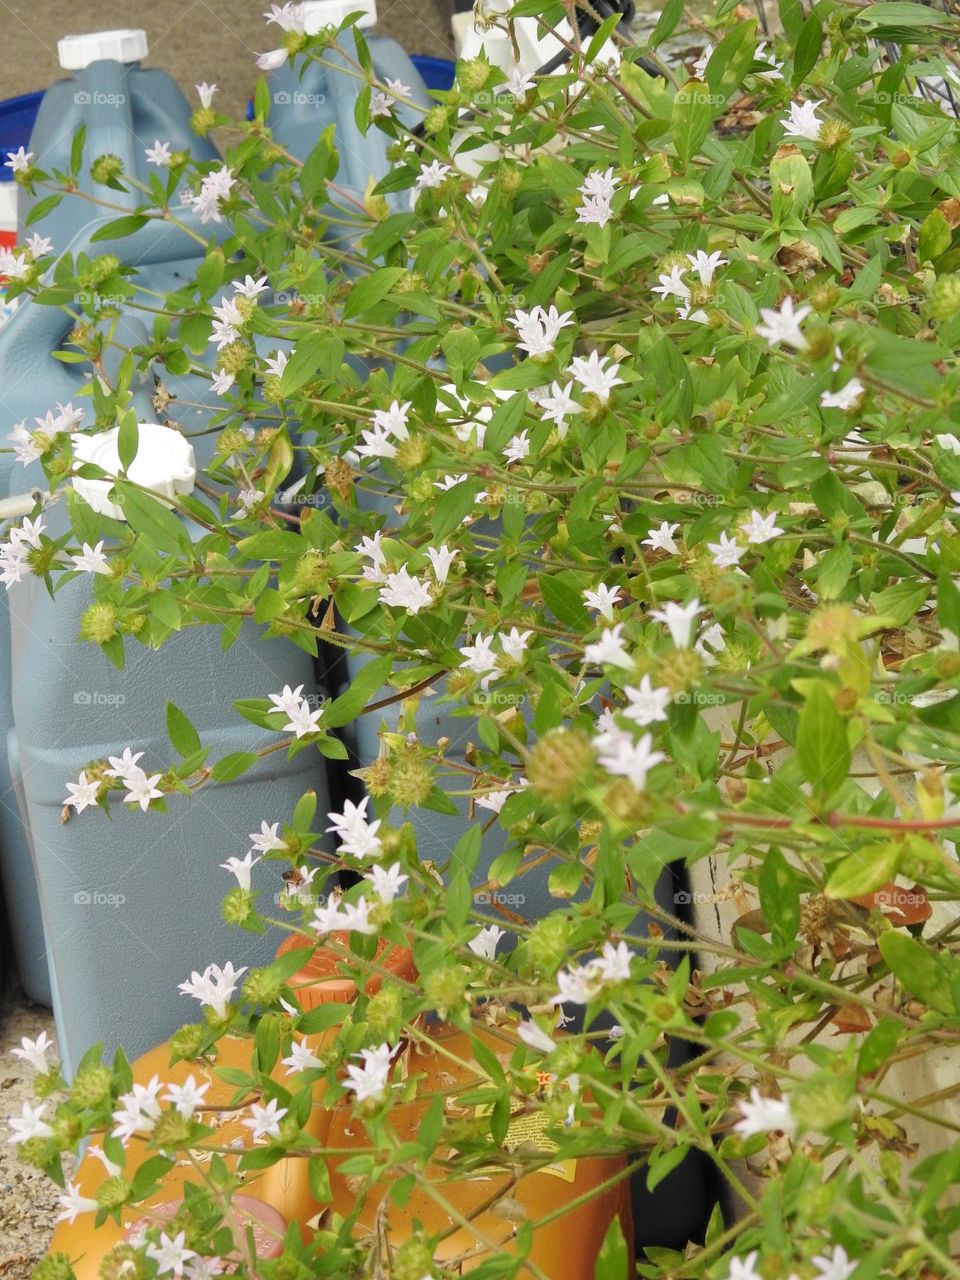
[[126, 45], [164, 464], [318, 14]]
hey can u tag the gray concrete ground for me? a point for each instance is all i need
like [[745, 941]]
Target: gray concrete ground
[[195, 40]]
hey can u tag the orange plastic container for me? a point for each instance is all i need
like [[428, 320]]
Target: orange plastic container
[[565, 1248], [319, 980]]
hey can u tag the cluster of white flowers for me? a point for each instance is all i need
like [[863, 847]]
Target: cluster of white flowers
[[539, 328], [138, 1111], [371, 1079], [216, 186], [673, 285], [214, 987], [14, 553], [584, 983], [25, 445], [301, 720], [377, 442], [597, 189], [338, 916], [401, 590], [481, 659], [358, 837], [756, 529], [381, 103]]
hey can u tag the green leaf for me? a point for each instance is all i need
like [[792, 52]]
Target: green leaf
[[864, 871], [181, 732], [318, 1177], [809, 44], [128, 438], [670, 15], [370, 290], [233, 766], [614, 1257], [117, 228], [780, 898], [919, 969], [564, 600], [302, 365], [163, 530], [822, 746], [365, 683], [691, 119], [934, 236]]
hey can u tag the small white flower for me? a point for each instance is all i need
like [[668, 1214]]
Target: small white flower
[[204, 1268], [91, 559], [678, 619], [609, 649], [138, 1111], [761, 1115], [141, 789], [387, 882], [289, 16], [124, 766], [847, 397], [186, 1097], [662, 539], [272, 60], [514, 643], [744, 1268], [393, 420], [450, 482], [99, 1154], [535, 1037], [370, 1080], [484, 944], [24, 445], [359, 837], [760, 529], [38, 244], [625, 758], [431, 175], [302, 720], [479, 657], [267, 838], [35, 1051], [403, 591], [170, 1254], [276, 364], [493, 800], [726, 552], [28, 535], [441, 558], [614, 962], [594, 210], [602, 599], [222, 381], [241, 868], [301, 1058], [29, 1124], [835, 1266], [700, 66], [158, 154], [557, 405], [517, 448], [593, 377], [803, 122], [763, 54], [264, 1121], [214, 987], [83, 793], [205, 92], [519, 83], [18, 161], [376, 444], [784, 325], [73, 1203], [673, 285], [706, 264], [646, 704], [539, 328]]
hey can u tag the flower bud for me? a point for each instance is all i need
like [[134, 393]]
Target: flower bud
[[412, 453], [411, 779], [384, 1013], [679, 670], [436, 119], [237, 906], [261, 989], [123, 1262], [185, 1042], [944, 300], [311, 576], [170, 1131], [91, 1086], [547, 946], [113, 1192], [560, 762], [106, 168], [55, 1266], [234, 358], [444, 988], [473, 75], [98, 623]]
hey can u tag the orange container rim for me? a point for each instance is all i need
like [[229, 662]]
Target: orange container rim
[[319, 980]]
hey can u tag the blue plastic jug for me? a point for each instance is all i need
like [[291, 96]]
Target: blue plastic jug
[[326, 93], [124, 109]]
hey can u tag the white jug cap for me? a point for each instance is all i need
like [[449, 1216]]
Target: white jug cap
[[164, 464], [125, 45], [318, 14]]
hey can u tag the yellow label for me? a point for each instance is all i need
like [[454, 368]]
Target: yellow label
[[530, 1127]]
